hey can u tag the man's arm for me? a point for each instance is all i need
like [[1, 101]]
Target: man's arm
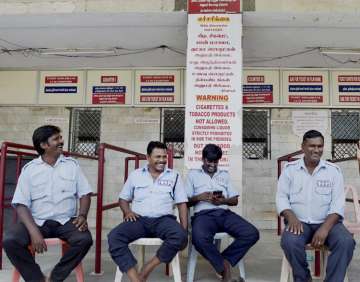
[[203, 197], [283, 207], [129, 215], [233, 201], [37, 240], [81, 220], [183, 215], [322, 233], [294, 224]]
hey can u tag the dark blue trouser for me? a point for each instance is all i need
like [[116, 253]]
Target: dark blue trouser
[[17, 240], [165, 228], [206, 223], [340, 243]]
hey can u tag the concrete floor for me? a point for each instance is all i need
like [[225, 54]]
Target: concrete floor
[[262, 263]]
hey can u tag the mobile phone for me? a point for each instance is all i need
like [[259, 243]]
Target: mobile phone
[[217, 193]]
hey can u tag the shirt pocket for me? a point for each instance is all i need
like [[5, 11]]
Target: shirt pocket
[[323, 195], [200, 187], [39, 188], [67, 181], [66, 191], [164, 194], [296, 195], [140, 193]]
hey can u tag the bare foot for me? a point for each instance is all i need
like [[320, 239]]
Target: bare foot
[[226, 275], [142, 278]]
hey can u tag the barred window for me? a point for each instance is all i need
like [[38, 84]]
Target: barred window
[[85, 130], [345, 131], [256, 131], [173, 129]]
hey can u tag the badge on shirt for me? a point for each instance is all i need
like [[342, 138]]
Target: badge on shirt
[[166, 182], [221, 181], [324, 183]]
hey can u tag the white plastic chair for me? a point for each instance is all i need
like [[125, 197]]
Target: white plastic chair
[[193, 254], [352, 211], [141, 243]]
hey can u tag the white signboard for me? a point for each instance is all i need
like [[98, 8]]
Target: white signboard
[[157, 87], [345, 88], [261, 87], [61, 87], [304, 121], [213, 85], [109, 87], [305, 87]]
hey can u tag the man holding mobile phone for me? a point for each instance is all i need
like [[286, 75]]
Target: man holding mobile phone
[[211, 193]]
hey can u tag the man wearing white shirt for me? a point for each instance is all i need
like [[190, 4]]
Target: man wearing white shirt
[[311, 198], [45, 199]]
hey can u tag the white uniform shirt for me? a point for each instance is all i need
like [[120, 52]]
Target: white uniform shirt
[[51, 192], [198, 181], [153, 198], [311, 197]]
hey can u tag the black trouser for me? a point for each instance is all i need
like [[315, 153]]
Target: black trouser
[[17, 240], [165, 228]]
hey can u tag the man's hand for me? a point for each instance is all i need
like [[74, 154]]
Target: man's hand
[[217, 201], [81, 223], [294, 225], [205, 197], [130, 216], [38, 242], [319, 237]]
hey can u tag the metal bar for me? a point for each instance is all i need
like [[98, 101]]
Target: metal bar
[[122, 150], [317, 263], [126, 172], [110, 206], [17, 174], [170, 155], [2, 194], [99, 208], [27, 147], [137, 162]]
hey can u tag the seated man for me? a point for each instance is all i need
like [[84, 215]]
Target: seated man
[[153, 190], [210, 192], [45, 200], [311, 198]]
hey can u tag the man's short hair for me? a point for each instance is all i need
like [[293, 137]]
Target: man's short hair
[[155, 144], [212, 152], [312, 134], [42, 134]]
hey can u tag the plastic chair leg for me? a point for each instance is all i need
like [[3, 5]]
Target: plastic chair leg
[[242, 268], [118, 275], [175, 265], [191, 265]]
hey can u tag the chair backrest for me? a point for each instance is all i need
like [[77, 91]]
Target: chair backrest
[[352, 210]]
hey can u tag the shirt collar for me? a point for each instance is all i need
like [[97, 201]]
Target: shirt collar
[[322, 164], [216, 173], [145, 169], [39, 160]]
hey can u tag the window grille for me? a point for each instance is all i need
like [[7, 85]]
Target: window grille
[[85, 130], [345, 132], [256, 132], [173, 130]]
